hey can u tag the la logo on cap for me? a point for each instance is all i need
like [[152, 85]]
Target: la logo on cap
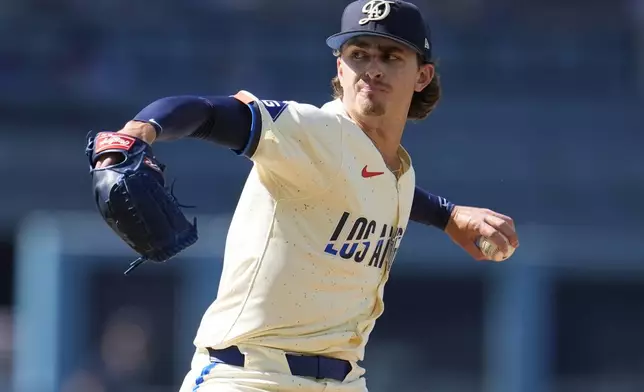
[[375, 10]]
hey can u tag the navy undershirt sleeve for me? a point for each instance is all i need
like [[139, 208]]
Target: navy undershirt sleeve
[[430, 209], [219, 119]]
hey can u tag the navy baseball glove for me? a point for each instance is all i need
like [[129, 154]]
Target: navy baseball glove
[[133, 199]]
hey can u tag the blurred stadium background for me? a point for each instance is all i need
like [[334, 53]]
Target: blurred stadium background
[[542, 118]]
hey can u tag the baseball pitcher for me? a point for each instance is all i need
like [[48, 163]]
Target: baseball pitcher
[[320, 218]]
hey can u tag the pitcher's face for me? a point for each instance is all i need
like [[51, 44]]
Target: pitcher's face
[[379, 75]]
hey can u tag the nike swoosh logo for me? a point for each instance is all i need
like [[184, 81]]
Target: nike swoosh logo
[[366, 173]]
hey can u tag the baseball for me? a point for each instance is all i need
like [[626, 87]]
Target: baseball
[[490, 250]]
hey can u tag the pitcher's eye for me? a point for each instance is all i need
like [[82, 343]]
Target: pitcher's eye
[[389, 57], [358, 55]]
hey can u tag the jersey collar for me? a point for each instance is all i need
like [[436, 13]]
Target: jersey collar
[[336, 106]]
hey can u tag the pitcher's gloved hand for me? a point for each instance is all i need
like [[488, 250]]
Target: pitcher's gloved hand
[[132, 197]]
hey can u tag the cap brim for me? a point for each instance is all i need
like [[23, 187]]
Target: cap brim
[[337, 40]]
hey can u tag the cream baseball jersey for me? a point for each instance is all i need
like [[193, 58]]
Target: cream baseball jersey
[[313, 237]]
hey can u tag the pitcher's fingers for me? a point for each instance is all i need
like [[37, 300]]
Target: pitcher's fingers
[[105, 162], [505, 227], [503, 216], [494, 235], [474, 251]]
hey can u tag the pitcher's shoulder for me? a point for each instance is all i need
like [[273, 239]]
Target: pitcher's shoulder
[[281, 110]]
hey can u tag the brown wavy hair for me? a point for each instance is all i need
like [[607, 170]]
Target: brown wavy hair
[[422, 102]]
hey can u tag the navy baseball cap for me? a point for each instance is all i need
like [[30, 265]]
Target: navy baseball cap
[[397, 20]]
